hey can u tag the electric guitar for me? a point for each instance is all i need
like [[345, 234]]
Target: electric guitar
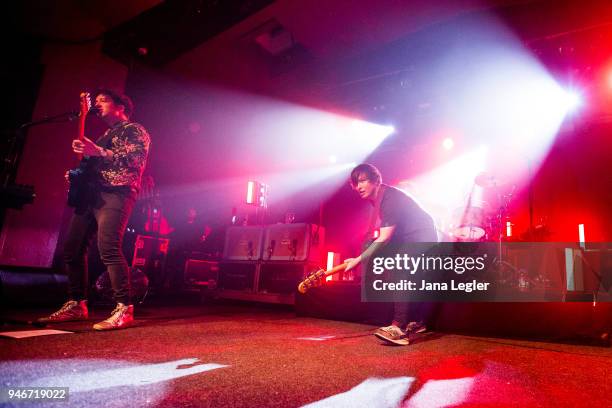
[[81, 178], [318, 277]]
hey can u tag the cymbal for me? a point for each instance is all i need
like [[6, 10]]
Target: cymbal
[[487, 180]]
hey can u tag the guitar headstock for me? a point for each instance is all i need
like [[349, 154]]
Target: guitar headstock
[[84, 104], [314, 279]]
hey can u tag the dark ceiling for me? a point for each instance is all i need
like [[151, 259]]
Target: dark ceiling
[[182, 32], [301, 49], [75, 21]]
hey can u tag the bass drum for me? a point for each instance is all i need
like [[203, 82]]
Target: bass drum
[[469, 224]]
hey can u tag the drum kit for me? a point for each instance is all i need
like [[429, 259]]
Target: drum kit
[[487, 221], [479, 221]]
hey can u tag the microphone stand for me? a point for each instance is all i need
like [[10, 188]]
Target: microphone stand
[[11, 159], [59, 118], [14, 196], [506, 272]]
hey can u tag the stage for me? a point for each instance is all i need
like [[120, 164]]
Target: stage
[[250, 355], [278, 179]]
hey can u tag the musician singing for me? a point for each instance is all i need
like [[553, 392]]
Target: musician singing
[[401, 221], [115, 163]]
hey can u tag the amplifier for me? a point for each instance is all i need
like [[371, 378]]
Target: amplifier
[[201, 273], [283, 277], [243, 243], [150, 256], [237, 275], [149, 249], [294, 242]]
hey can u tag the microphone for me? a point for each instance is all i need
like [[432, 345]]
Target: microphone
[[71, 115], [271, 248], [75, 114], [293, 248]]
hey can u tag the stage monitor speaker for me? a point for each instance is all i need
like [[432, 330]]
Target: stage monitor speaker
[[294, 242], [243, 243], [237, 275]]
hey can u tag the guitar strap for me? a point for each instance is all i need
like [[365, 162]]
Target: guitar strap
[[105, 140]]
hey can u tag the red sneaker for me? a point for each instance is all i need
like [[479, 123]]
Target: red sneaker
[[71, 311]]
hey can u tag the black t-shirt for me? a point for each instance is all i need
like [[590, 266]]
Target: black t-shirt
[[186, 235], [412, 223]]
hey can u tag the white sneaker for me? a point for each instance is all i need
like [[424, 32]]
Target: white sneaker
[[121, 317], [392, 334]]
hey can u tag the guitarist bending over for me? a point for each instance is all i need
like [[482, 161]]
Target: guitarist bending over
[[114, 166], [401, 221]]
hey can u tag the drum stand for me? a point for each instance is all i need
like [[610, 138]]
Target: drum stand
[[506, 272]]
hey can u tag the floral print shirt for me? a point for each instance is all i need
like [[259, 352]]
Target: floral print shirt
[[129, 142]]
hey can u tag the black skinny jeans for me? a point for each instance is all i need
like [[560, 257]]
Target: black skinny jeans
[[109, 217], [405, 312]]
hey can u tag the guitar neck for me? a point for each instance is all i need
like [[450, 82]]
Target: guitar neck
[[84, 108], [336, 269], [81, 134]]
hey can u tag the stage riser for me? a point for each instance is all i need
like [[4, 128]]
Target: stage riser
[[27, 288], [341, 301], [531, 320], [541, 320]]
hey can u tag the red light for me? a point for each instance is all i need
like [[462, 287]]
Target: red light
[[333, 259], [250, 187], [257, 194], [330, 260], [581, 234]]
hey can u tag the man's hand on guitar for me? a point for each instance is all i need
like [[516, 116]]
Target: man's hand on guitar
[[352, 262], [318, 277], [86, 147]]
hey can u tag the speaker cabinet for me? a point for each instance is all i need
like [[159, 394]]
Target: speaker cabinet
[[201, 273], [243, 243], [237, 275], [282, 277], [150, 254], [294, 242]]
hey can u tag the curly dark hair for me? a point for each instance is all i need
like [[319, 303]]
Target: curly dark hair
[[118, 99]]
